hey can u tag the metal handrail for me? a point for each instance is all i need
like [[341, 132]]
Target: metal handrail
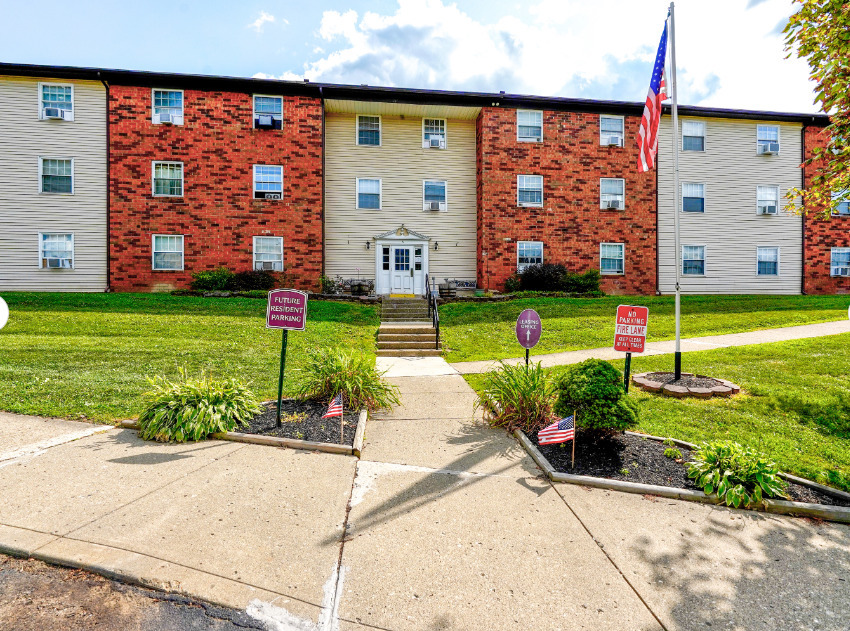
[[433, 312]]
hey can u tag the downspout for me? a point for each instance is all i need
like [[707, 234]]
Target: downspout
[[803, 212], [108, 184], [322, 99]]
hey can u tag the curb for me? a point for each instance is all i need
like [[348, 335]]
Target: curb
[[837, 514], [291, 443]]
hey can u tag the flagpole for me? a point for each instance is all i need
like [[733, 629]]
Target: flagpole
[[342, 421], [575, 433], [676, 193]]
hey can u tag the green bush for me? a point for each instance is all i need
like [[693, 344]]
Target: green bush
[[542, 277], [329, 371], [195, 407], [331, 285], [594, 389], [517, 397], [513, 284], [586, 283], [253, 280], [669, 442], [219, 279], [739, 476], [673, 453]]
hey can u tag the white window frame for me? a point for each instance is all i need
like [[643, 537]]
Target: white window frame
[[603, 204], [778, 193], [254, 109], [445, 143], [682, 197], [153, 178], [704, 136], [542, 254], [254, 182], [778, 260], [778, 137], [41, 160], [41, 256], [444, 205], [182, 104], [622, 133], [529, 138], [622, 258], [182, 253], [254, 251], [846, 200], [704, 259], [380, 193], [542, 189], [380, 130], [832, 266], [60, 85]]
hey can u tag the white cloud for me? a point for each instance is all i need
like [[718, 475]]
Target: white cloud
[[260, 22], [729, 53]]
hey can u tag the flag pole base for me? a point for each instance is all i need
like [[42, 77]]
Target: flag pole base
[[677, 366]]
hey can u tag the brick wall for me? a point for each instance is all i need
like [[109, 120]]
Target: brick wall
[[217, 213], [822, 234], [571, 224]]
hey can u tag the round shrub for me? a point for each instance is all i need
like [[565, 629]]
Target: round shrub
[[219, 279], [542, 277], [253, 280], [594, 389]]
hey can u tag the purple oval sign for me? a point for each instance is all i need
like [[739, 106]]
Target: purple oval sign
[[528, 328]]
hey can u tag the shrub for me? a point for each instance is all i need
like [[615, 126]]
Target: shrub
[[739, 476], [517, 397], [673, 453], [594, 389], [329, 371], [513, 284], [586, 283], [219, 279], [542, 277], [331, 285], [193, 408], [669, 442], [253, 280]]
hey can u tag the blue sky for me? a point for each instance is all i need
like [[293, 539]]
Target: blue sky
[[730, 52]]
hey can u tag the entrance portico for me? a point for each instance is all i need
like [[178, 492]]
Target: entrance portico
[[401, 262]]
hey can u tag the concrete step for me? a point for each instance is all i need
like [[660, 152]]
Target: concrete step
[[409, 353], [404, 319], [401, 345], [410, 328], [416, 312], [407, 337]]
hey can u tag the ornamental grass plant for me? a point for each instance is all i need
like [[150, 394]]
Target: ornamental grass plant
[[192, 408], [517, 397]]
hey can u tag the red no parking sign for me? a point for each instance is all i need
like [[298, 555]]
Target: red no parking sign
[[630, 330]]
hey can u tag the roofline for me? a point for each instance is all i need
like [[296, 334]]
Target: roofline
[[386, 94]]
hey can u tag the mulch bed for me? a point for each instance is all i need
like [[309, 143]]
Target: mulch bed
[[690, 381], [635, 459], [303, 420]]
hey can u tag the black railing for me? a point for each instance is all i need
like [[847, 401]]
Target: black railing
[[433, 312]]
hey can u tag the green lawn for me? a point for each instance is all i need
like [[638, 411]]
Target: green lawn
[[794, 406], [479, 331], [87, 355]]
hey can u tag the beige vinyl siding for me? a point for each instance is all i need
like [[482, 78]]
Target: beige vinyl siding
[[401, 164], [730, 229], [24, 212]]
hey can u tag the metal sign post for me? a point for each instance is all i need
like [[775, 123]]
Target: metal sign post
[[630, 334], [287, 310], [528, 330]]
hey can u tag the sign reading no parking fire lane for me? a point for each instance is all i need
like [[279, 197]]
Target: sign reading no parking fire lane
[[630, 330]]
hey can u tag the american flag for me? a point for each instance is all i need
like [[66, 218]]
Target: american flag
[[335, 408], [558, 432], [648, 134]]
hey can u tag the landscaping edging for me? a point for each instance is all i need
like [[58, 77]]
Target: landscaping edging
[[292, 443], [781, 507], [723, 388]]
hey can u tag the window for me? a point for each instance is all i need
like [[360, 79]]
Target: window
[[529, 126], [434, 192], [268, 182], [369, 194], [693, 197], [841, 204], [168, 252], [434, 133], [767, 261], [56, 101], [612, 192], [385, 258], [611, 130], [369, 130], [168, 179], [767, 138], [768, 200], [268, 112], [693, 136], [417, 259], [168, 107], [56, 251], [611, 258], [840, 262], [693, 260], [268, 254], [530, 190], [528, 253], [56, 175]]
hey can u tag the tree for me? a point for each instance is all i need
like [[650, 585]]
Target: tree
[[820, 33]]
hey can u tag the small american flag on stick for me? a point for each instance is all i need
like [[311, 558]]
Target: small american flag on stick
[[335, 407], [558, 432]]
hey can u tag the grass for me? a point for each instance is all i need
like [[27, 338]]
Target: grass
[[87, 355], [794, 406], [479, 331]]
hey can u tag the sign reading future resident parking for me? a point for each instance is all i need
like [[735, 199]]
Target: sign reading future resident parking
[[528, 328], [630, 330], [287, 309]]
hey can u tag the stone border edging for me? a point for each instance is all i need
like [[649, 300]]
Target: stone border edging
[[291, 443], [838, 514], [725, 388]]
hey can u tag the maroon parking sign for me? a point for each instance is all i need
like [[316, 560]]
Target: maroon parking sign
[[528, 328], [287, 309]]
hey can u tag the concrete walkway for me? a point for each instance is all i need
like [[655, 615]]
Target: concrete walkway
[[669, 346]]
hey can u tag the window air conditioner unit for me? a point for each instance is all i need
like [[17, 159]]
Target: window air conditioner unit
[[432, 205], [52, 112], [436, 142], [841, 271], [267, 266], [163, 119], [265, 121], [767, 209], [57, 263], [271, 196], [615, 141], [768, 148], [613, 204]]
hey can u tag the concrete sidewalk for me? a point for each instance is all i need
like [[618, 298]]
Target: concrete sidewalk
[[669, 346]]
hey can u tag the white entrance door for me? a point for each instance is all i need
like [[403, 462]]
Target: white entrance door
[[401, 278]]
